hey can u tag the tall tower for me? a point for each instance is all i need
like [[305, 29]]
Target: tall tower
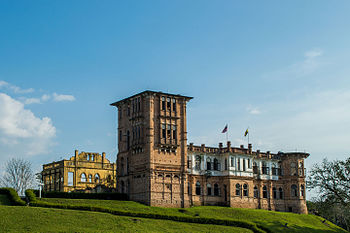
[[152, 148]]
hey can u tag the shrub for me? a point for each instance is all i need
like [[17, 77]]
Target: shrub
[[81, 195], [13, 196]]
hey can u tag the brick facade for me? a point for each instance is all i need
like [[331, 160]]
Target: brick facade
[[156, 166]]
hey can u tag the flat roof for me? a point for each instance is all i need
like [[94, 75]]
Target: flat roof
[[151, 92]]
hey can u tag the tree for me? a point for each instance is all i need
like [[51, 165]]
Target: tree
[[18, 175], [331, 179]]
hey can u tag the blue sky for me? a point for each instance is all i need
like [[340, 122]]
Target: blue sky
[[279, 67]]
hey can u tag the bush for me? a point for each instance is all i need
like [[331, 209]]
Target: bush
[[13, 196], [80, 195], [248, 225]]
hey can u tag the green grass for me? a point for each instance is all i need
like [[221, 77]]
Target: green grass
[[4, 200], [36, 219], [272, 220]]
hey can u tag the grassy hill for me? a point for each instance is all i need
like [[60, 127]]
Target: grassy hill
[[274, 221], [37, 219]]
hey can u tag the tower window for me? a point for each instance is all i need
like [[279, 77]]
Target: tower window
[[264, 191], [256, 192], [174, 132], [163, 103], [174, 105], [238, 190], [163, 131], [245, 190], [168, 104], [209, 190], [198, 188], [169, 131]]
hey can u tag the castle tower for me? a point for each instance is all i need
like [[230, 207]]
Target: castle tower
[[152, 148]]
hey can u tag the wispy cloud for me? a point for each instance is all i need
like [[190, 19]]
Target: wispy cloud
[[15, 89], [308, 65], [60, 98], [253, 110]]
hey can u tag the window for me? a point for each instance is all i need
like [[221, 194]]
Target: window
[[174, 105], [139, 104], [274, 192], [238, 164], [274, 170], [302, 191], [208, 164], [128, 140], [168, 104], [70, 178], [256, 192], [188, 162], [92, 157], [216, 163], [120, 135], [97, 178], [90, 178], [264, 191], [198, 188], [120, 113], [216, 190], [209, 190], [232, 162], [174, 132], [163, 131], [83, 177], [293, 169], [225, 164], [243, 164], [294, 190], [168, 131], [128, 110], [198, 162], [238, 190], [249, 163], [245, 190], [280, 190], [163, 103], [255, 168]]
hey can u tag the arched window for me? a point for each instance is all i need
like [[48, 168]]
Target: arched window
[[238, 190], [294, 190], [216, 190], [97, 178], [90, 178], [83, 177], [256, 192], [216, 163], [280, 190], [302, 191], [274, 192], [245, 190], [209, 190], [264, 191], [198, 188], [208, 164]]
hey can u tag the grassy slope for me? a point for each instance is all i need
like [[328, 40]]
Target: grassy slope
[[273, 220], [33, 219]]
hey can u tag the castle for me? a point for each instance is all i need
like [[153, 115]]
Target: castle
[[156, 166]]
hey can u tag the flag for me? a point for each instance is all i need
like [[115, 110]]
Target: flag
[[225, 129], [246, 133]]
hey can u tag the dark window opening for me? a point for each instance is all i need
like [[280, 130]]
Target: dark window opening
[[216, 190]]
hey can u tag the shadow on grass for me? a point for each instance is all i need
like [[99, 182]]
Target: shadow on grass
[[276, 226]]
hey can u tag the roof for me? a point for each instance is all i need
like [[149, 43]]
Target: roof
[[151, 92]]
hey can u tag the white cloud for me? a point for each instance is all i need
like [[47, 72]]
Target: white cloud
[[313, 53], [253, 110], [45, 97], [19, 126], [60, 98], [32, 101], [14, 88]]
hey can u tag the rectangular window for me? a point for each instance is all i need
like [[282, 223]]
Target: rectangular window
[[174, 132], [225, 164], [139, 104], [168, 131], [70, 178], [163, 131], [238, 164], [249, 163], [174, 105], [168, 104], [120, 135], [244, 165], [163, 103], [232, 162]]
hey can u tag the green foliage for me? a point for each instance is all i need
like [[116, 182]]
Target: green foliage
[[81, 195], [12, 196], [4, 200], [24, 219]]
